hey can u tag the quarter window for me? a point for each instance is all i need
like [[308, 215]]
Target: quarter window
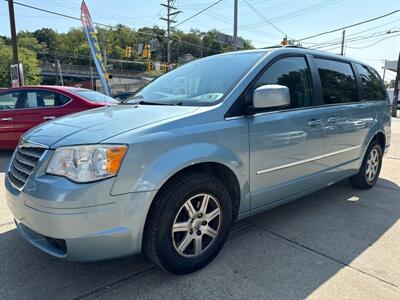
[[372, 85], [8, 100], [294, 73], [339, 84]]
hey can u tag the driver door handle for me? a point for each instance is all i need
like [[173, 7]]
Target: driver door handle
[[7, 119], [49, 118], [315, 122]]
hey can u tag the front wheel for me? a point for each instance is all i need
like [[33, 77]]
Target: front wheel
[[370, 168], [188, 223]]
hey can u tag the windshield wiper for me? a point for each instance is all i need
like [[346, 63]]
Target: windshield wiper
[[144, 102]]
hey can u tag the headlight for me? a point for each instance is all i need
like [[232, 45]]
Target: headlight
[[87, 163]]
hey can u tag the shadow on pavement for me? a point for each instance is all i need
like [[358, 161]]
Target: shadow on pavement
[[5, 157], [287, 252]]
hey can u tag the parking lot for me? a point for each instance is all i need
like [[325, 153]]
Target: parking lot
[[337, 243]]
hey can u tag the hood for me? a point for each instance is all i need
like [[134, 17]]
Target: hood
[[96, 125]]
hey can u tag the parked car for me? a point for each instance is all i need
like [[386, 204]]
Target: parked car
[[25, 107], [122, 96], [214, 141]]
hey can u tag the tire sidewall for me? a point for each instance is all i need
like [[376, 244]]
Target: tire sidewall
[[364, 166], [166, 252]]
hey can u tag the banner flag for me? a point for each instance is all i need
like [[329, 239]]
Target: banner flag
[[94, 46]]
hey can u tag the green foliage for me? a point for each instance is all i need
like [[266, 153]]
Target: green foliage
[[72, 47], [27, 58], [46, 45]]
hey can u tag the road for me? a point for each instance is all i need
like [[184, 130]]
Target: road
[[337, 243]]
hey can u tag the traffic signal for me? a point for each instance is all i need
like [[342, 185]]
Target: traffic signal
[[149, 66], [146, 51], [128, 52], [285, 41]]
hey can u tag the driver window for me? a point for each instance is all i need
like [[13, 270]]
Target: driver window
[[8, 100], [294, 73]]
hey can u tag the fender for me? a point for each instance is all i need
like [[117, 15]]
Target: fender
[[178, 158], [371, 134]]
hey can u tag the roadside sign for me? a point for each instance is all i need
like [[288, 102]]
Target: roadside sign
[[17, 75]]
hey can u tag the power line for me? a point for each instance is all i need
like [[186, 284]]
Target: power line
[[294, 14], [357, 42], [349, 26], [263, 17], [374, 43], [113, 27], [198, 13], [358, 39], [355, 33]]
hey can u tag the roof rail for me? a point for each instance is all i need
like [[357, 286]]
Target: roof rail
[[284, 46]]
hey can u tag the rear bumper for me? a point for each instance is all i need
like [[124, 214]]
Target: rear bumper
[[111, 228]]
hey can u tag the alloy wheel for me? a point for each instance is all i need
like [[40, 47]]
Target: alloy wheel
[[373, 162], [197, 225]]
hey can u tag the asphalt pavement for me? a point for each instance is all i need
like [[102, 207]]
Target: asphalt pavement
[[337, 243]]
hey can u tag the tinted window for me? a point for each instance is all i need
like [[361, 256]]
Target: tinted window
[[338, 81], [372, 86], [43, 99], [8, 100], [294, 73]]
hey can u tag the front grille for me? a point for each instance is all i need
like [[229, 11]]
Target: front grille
[[24, 161]]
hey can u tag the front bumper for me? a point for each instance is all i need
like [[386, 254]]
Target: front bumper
[[80, 222]]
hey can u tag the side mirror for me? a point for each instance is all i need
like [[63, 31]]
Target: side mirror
[[271, 95]]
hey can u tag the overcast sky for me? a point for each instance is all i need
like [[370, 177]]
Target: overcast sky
[[297, 19]]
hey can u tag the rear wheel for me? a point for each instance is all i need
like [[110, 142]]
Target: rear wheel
[[188, 223], [370, 168]]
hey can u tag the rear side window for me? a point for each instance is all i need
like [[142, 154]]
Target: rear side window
[[372, 86], [294, 73], [8, 100], [339, 84], [41, 98]]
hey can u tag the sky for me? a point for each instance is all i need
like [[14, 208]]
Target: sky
[[264, 22]]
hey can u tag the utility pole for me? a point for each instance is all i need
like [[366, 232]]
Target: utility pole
[[235, 24], [384, 71], [172, 12], [14, 43], [59, 72], [343, 36], [396, 89]]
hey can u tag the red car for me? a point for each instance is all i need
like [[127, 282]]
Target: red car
[[25, 107]]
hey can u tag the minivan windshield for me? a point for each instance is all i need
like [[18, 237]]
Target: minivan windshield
[[202, 82]]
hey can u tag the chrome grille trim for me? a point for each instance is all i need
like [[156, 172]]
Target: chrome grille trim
[[25, 158]]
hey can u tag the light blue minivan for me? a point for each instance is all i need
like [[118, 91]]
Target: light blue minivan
[[214, 141]]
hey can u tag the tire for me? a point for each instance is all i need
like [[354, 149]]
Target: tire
[[369, 171], [178, 235]]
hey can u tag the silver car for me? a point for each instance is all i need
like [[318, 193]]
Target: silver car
[[214, 141]]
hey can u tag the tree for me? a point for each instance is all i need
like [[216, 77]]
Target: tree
[[27, 58], [48, 37]]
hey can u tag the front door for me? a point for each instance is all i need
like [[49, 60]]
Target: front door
[[8, 101], [286, 144]]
